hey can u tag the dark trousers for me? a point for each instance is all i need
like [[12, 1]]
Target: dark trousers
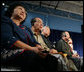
[[30, 61]]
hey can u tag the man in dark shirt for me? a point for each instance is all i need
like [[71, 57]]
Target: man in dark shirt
[[46, 32], [62, 46]]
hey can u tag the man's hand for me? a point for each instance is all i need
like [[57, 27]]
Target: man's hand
[[39, 51], [39, 47], [35, 49], [42, 55], [75, 55], [53, 51]]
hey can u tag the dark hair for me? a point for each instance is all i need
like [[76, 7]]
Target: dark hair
[[11, 8], [33, 20], [63, 34]]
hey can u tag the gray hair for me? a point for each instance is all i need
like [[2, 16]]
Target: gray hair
[[44, 28]]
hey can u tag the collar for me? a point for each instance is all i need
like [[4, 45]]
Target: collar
[[64, 40], [35, 33]]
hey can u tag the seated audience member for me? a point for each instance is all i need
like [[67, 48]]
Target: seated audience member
[[71, 46], [17, 49], [46, 32], [37, 25], [63, 46]]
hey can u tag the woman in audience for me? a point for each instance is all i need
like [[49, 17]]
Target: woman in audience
[[15, 42], [70, 42]]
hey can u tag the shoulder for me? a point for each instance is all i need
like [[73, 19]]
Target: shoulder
[[6, 22], [60, 40], [5, 19]]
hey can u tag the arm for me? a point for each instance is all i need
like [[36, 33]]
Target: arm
[[8, 39], [60, 46], [22, 45]]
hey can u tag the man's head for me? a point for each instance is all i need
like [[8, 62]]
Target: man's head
[[45, 31], [37, 23], [65, 35]]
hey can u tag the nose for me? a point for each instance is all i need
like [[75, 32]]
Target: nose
[[23, 11]]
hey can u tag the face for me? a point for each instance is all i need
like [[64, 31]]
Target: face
[[46, 31], [70, 41], [38, 25], [19, 12], [67, 35]]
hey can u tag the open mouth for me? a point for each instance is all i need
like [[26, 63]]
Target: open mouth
[[22, 15]]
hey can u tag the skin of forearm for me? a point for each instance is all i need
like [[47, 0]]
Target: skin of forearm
[[22, 45]]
